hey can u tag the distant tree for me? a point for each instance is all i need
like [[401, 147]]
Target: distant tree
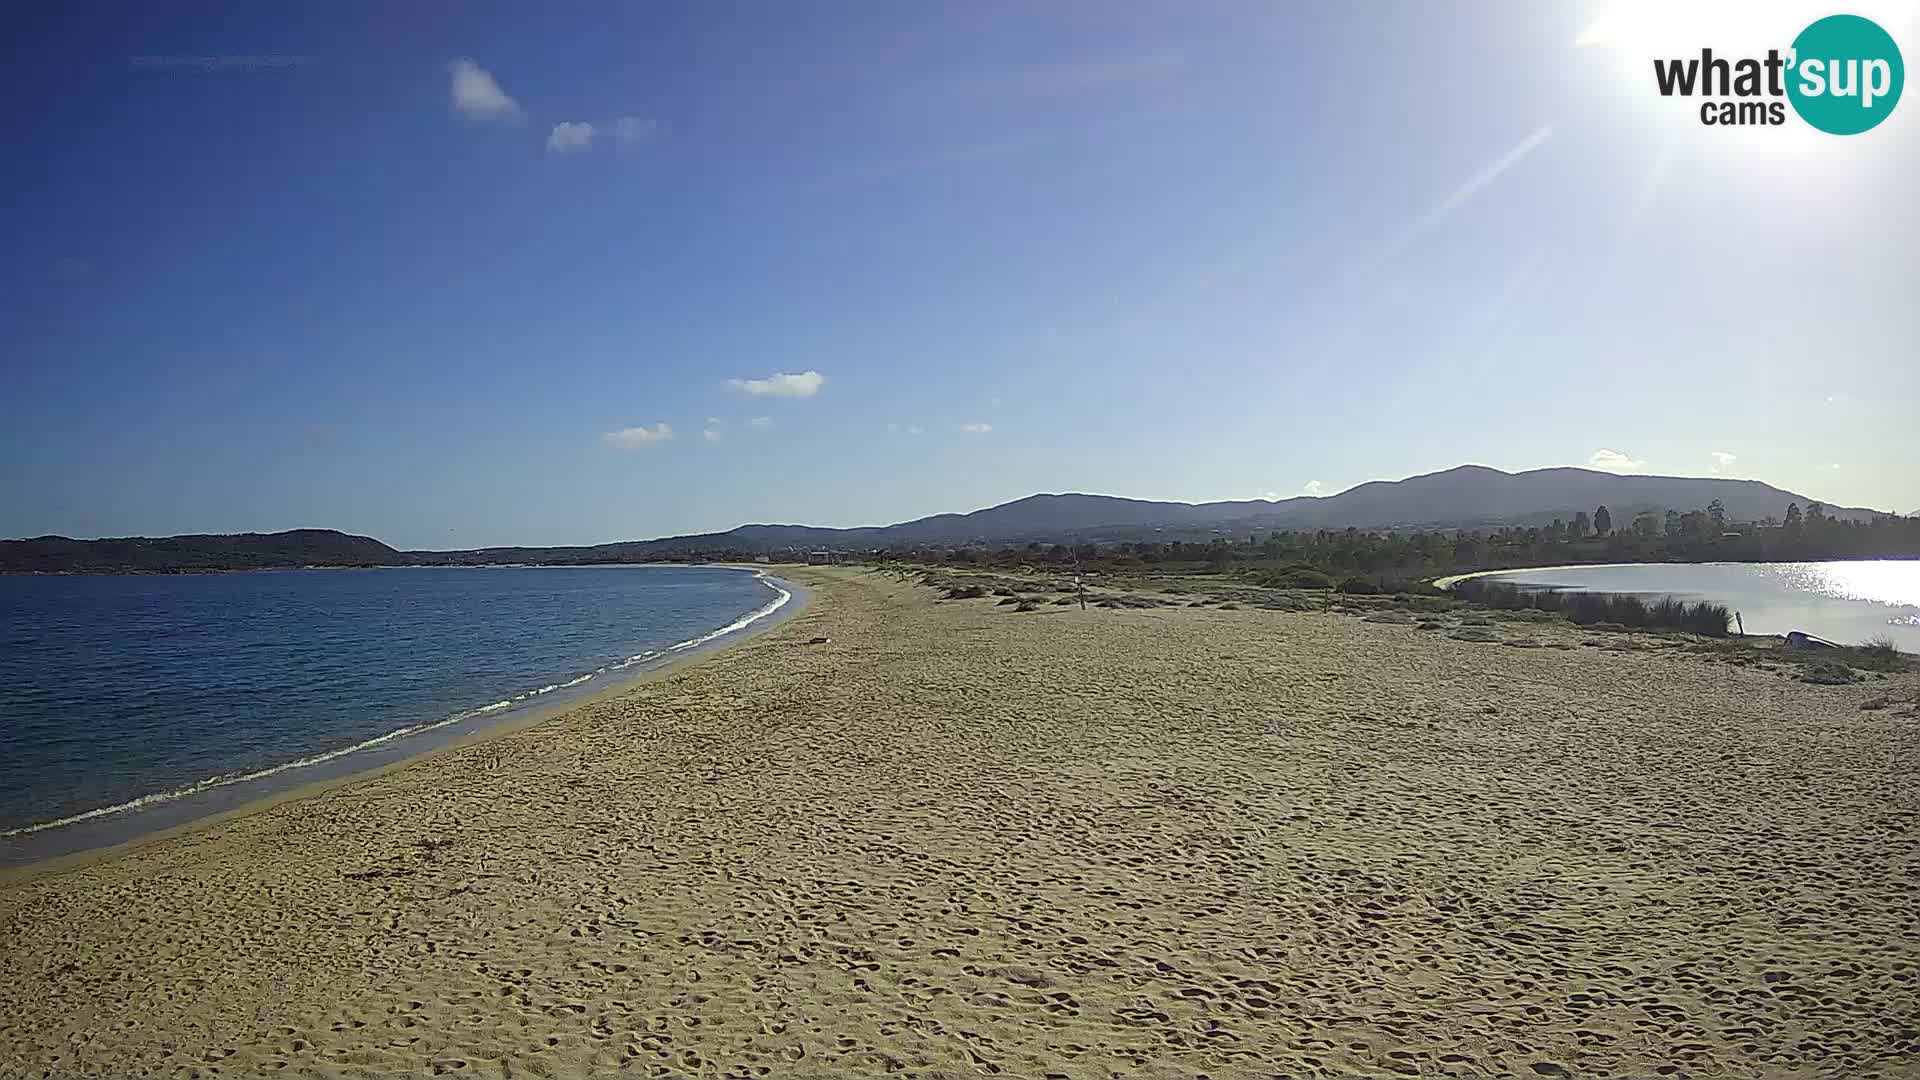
[[1557, 530], [1673, 523], [1793, 515], [1468, 549], [1602, 522], [1647, 524], [1717, 510], [1581, 524], [1816, 514]]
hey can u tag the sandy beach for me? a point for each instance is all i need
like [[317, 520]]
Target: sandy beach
[[958, 841]]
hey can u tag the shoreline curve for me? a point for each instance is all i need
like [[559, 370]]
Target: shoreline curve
[[523, 710]]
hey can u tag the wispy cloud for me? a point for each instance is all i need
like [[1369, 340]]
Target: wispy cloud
[[634, 438], [761, 423], [1314, 488], [570, 135], [477, 94], [779, 384], [1723, 461], [633, 129], [1614, 461], [715, 430], [1479, 181], [976, 428]]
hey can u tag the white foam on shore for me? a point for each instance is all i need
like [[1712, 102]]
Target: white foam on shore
[[227, 779]]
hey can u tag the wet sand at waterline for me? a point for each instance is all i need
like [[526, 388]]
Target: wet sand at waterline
[[959, 841]]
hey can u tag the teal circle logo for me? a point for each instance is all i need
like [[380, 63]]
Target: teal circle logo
[[1847, 74]]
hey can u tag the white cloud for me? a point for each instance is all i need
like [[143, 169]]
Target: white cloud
[[1614, 461], [570, 135], [893, 427], [1314, 488], [761, 423], [476, 94], [715, 430], [1270, 495], [1835, 466], [634, 438], [633, 129], [779, 384], [1723, 461], [976, 428], [914, 429]]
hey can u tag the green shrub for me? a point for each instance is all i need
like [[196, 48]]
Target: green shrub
[[1879, 654], [1594, 609]]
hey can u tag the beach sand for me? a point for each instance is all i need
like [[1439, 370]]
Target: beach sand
[[959, 841]]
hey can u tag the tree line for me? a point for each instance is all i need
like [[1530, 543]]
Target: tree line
[[1389, 557]]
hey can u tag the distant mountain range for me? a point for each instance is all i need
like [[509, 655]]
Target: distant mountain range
[[1470, 496]]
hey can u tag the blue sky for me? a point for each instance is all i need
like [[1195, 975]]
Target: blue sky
[[269, 270]]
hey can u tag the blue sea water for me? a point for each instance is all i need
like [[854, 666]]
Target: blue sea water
[[123, 694]]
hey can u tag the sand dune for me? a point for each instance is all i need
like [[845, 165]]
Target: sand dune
[[959, 841]]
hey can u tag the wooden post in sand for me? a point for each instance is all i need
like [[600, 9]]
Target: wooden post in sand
[[1079, 581]]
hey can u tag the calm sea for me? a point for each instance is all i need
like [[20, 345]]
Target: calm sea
[[1847, 602], [134, 702]]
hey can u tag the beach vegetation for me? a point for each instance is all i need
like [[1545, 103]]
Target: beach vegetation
[[1829, 673], [1881, 646], [1600, 609]]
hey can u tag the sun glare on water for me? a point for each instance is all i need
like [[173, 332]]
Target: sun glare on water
[[1894, 582]]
